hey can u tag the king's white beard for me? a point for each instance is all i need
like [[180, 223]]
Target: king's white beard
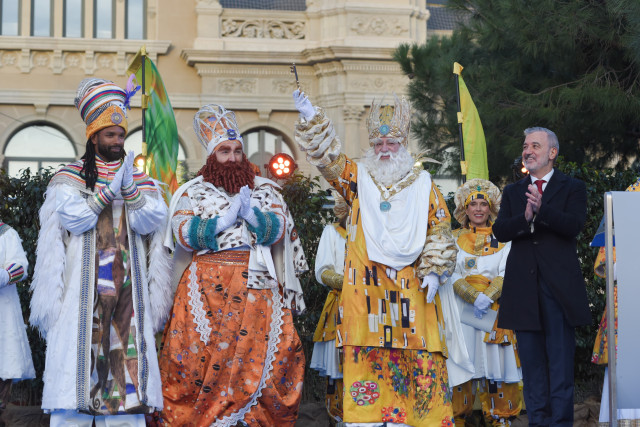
[[389, 171]]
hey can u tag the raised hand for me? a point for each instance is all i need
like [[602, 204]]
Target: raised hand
[[303, 105]]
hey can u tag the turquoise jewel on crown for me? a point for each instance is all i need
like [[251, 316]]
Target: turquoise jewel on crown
[[384, 129], [385, 206], [231, 134], [479, 188]]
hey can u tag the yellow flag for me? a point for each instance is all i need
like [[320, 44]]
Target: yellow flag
[[475, 146]]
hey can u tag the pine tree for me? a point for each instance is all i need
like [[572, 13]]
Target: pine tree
[[572, 66]]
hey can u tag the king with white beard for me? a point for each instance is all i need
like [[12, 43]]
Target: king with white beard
[[399, 250]]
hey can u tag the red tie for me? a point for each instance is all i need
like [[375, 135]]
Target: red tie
[[539, 184]]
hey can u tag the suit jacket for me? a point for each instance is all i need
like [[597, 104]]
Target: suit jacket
[[549, 251]]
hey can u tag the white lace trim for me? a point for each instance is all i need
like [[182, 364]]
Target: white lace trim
[[272, 348], [199, 315]]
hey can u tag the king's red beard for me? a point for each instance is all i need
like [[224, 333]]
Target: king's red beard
[[231, 176]]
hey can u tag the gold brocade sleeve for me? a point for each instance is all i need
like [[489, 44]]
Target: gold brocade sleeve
[[465, 291], [494, 290], [318, 139], [439, 252], [332, 279]]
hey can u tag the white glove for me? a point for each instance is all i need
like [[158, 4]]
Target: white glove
[[228, 219], [482, 302], [303, 105], [432, 282], [116, 184], [127, 178], [4, 278], [246, 212], [481, 305]]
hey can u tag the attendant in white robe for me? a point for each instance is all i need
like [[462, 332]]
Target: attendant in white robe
[[329, 271], [477, 283], [15, 354]]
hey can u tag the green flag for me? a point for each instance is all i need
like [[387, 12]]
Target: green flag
[[161, 130], [475, 146]]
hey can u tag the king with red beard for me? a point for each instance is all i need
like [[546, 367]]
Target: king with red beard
[[230, 352]]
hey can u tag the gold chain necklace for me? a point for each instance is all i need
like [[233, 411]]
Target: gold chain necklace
[[388, 192]]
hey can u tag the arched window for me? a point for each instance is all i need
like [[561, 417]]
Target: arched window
[[37, 147], [133, 141], [261, 144]]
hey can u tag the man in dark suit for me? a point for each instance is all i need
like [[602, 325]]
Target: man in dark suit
[[544, 296]]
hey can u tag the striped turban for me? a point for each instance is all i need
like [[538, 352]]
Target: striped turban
[[101, 104]]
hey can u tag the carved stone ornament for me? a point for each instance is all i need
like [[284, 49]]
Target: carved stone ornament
[[72, 60], [352, 113], [9, 58], [41, 59], [377, 27], [263, 29], [379, 84], [237, 85], [284, 86], [105, 61]]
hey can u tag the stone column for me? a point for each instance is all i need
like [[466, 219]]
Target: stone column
[[208, 23], [354, 129]]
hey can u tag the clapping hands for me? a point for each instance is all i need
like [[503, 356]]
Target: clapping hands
[[534, 200], [246, 211], [127, 165], [124, 177]]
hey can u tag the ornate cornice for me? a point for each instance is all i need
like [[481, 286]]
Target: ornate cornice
[[59, 54], [261, 28], [154, 47], [378, 26]]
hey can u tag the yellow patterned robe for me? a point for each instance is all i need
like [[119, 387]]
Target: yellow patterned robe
[[394, 341], [403, 318]]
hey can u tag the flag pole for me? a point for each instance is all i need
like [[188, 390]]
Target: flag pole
[[457, 69], [143, 54]]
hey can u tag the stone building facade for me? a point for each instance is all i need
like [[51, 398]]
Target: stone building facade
[[207, 51]]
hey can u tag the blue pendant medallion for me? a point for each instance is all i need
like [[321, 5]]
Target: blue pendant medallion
[[385, 206]]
